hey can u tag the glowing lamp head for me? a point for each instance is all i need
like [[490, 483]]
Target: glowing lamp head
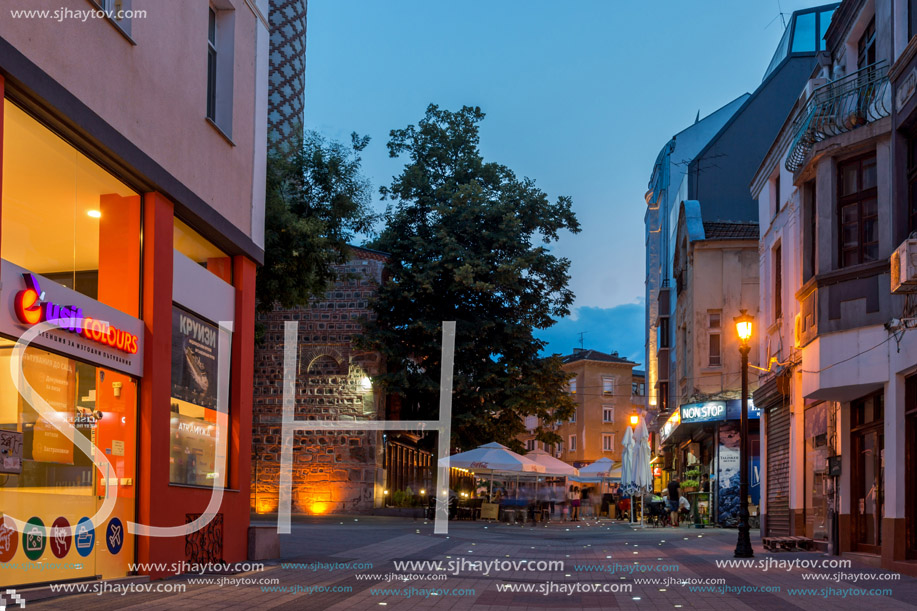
[[366, 383], [94, 214], [422, 491], [385, 492], [744, 323], [634, 420]]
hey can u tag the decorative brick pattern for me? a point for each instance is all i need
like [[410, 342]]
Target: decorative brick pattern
[[287, 74], [333, 471]]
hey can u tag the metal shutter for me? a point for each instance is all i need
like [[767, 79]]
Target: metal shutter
[[777, 422]]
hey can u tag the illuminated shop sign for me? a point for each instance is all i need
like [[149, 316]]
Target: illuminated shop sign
[[717, 411], [32, 308], [670, 425], [708, 411], [89, 330], [734, 410]]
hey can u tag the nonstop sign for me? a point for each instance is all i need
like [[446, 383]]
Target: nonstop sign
[[717, 411], [90, 330], [708, 411]]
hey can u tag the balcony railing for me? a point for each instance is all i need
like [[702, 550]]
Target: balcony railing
[[840, 106]]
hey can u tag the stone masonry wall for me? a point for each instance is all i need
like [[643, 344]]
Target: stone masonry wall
[[333, 471]]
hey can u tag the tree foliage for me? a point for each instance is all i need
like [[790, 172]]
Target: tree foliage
[[469, 242], [317, 200]]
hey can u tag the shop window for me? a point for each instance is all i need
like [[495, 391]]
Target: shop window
[[67, 219], [57, 482], [200, 250], [200, 401], [816, 476]]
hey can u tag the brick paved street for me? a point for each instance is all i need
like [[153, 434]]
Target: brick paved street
[[684, 554]]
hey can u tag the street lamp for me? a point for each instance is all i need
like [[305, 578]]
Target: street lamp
[[744, 329], [634, 419]]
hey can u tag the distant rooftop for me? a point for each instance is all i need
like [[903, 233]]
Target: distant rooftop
[[594, 355], [639, 373], [804, 35], [719, 230]]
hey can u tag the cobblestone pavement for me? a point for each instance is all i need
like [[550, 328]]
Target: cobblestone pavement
[[637, 569]]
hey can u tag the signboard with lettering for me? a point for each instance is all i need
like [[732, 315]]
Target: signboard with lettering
[[708, 411], [670, 425], [89, 330], [717, 411], [194, 359]]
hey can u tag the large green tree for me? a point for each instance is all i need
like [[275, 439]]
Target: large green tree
[[317, 200], [469, 242]]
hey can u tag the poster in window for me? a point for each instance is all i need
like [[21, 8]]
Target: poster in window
[[194, 359], [55, 376]]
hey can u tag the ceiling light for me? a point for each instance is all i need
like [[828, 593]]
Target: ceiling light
[[94, 214]]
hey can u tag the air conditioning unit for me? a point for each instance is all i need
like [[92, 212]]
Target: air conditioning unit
[[904, 267]]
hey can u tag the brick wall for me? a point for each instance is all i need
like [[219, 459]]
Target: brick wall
[[333, 471]]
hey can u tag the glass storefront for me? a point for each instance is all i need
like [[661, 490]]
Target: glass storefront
[[197, 452], [197, 248], [58, 490], [816, 474], [77, 227], [66, 218]]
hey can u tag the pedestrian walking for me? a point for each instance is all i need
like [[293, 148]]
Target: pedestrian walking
[[674, 490], [573, 497]]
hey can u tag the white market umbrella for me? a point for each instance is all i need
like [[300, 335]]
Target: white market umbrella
[[552, 466], [643, 478], [627, 467], [602, 468], [492, 457]]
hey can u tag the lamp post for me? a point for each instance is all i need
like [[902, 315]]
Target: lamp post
[[744, 329]]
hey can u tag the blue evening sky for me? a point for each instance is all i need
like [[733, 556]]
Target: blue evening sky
[[579, 96]]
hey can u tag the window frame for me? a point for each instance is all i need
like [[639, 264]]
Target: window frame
[[857, 198], [911, 175], [608, 381], [608, 437], [572, 440], [776, 207], [605, 410], [212, 57], [866, 46], [778, 281]]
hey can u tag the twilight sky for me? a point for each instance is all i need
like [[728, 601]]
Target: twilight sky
[[579, 96]]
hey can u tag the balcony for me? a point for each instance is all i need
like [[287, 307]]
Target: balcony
[[838, 107]]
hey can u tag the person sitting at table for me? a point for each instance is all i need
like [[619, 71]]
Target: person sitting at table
[[684, 508]]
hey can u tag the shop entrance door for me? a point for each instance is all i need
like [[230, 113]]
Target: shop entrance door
[[868, 443]]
